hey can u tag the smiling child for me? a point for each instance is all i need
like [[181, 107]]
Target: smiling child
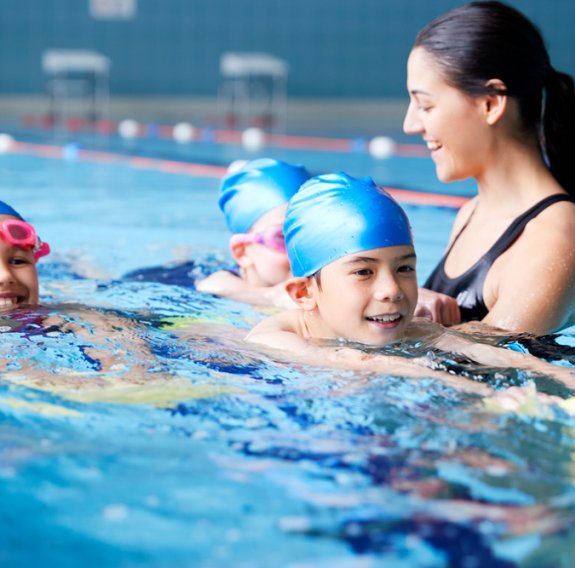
[[20, 248], [351, 251]]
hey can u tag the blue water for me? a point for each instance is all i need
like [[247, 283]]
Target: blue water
[[143, 432]]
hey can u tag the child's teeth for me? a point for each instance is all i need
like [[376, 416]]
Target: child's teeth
[[387, 318]]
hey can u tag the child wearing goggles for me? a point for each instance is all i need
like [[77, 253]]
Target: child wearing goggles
[[254, 200], [20, 249], [90, 331]]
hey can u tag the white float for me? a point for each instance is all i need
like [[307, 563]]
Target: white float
[[253, 138], [6, 143], [128, 128], [183, 132], [381, 147]]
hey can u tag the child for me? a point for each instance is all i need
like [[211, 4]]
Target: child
[[20, 249], [73, 350], [253, 200], [351, 251]]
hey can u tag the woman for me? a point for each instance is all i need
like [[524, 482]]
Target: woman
[[489, 105]]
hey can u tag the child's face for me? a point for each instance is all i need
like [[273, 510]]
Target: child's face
[[18, 275], [267, 266], [368, 297]]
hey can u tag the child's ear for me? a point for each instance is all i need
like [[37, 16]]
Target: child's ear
[[238, 251], [300, 290], [495, 105]]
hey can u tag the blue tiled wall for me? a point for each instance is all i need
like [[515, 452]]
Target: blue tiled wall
[[335, 48]]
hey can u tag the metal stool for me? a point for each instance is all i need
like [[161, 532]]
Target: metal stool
[[79, 75], [253, 90]]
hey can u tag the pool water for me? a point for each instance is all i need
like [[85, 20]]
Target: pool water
[[139, 430]]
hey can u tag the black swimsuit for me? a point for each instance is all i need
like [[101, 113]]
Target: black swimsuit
[[468, 288]]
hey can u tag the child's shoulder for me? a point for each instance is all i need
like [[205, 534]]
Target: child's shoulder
[[284, 330]]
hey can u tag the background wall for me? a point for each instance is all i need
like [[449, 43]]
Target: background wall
[[335, 48]]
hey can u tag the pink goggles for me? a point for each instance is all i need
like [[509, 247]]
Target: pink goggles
[[272, 239], [21, 234]]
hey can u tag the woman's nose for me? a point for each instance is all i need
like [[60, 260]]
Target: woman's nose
[[411, 122]]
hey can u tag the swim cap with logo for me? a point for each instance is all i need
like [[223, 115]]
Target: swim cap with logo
[[334, 215], [257, 187]]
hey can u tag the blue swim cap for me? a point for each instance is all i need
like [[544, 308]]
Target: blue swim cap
[[5, 209], [334, 215], [258, 187]]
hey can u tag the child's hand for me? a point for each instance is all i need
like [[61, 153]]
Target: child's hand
[[525, 400]]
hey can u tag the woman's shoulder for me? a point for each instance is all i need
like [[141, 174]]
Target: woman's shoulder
[[554, 223], [547, 236]]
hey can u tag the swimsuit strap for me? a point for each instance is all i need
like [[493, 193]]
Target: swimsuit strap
[[459, 234], [467, 288], [516, 228]]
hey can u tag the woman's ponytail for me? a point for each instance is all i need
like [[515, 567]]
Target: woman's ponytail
[[559, 127]]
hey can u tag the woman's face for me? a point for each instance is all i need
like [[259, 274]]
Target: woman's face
[[452, 124]]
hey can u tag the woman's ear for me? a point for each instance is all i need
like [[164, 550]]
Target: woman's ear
[[238, 251], [495, 104], [300, 290]]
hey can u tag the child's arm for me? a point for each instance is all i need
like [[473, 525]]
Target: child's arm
[[285, 334], [228, 285], [115, 342]]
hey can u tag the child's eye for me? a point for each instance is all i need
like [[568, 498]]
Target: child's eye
[[406, 268], [364, 272], [19, 261]]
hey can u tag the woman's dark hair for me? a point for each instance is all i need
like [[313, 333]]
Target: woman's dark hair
[[491, 40]]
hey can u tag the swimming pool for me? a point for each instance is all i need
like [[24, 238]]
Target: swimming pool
[[196, 451]]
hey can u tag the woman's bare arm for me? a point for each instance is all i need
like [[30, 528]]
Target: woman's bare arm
[[532, 288]]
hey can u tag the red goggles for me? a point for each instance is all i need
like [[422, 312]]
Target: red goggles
[[273, 239], [21, 234]]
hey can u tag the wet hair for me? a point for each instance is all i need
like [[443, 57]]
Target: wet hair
[[488, 40], [317, 277]]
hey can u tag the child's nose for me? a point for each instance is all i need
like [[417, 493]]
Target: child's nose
[[411, 122], [388, 290], [6, 275]]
